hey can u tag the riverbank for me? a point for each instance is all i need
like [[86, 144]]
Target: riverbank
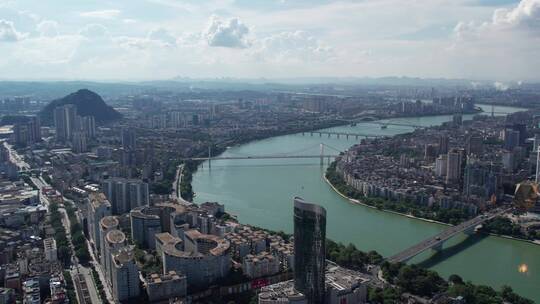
[[358, 202], [259, 193]]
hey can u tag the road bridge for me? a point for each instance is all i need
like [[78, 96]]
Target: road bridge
[[437, 241], [262, 157], [398, 124], [303, 153], [339, 134]]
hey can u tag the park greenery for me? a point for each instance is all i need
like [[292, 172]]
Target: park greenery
[[62, 242], [418, 281], [78, 239], [350, 257], [186, 190], [164, 186], [504, 226], [77, 236], [70, 288], [98, 283], [451, 216]]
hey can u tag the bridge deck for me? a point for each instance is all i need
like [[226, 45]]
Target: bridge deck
[[384, 123], [442, 237], [344, 134], [262, 157]]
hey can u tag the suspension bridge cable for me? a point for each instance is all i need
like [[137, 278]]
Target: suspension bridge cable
[[335, 149], [289, 153]]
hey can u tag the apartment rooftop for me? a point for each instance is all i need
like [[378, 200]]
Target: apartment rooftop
[[97, 199], [109, 222], [125, 255], [161, 278], [115, 237]]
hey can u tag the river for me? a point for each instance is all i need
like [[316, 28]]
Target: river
[[260, 192]]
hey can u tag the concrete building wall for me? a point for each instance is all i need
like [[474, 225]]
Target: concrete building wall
[[200, 271]]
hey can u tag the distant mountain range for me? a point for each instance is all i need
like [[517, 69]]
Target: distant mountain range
[[87, 102], [191, 87]]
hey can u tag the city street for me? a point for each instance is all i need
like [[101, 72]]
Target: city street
[[86, 280]]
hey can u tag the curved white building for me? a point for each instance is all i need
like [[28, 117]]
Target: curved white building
[[201, 257]]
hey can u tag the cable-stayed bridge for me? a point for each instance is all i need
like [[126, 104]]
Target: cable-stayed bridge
[[306, 152]]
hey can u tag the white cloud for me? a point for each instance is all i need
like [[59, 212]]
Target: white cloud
[[94, 30], [8, 33], [101, 14], [526, 14], [522, 19], [349, 38], [296, 46], [162, 35], [48, 28], [507, 45], [43, 51], [133, 43], [231, 33]]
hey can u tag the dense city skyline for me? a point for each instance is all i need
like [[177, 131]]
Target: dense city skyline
[[270, 151], [496, 40], [151, 194]]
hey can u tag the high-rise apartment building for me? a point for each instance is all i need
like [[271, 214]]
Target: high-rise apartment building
[[34, 129], [88, 124], [79, 142], [443, 144], [453, 166], [27, 133], [65, 122], [309, 250], [475, 145], [440, 165], [106, 225], [98, 208], [125, 194], [511, 139], [129, 139], [125, 275]]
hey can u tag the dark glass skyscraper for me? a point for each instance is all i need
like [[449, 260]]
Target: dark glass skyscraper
[[309, 250]]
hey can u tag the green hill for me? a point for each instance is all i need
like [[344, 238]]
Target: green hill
[[87, 102]]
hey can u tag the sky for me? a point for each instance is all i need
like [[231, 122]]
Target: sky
[[495, 40]]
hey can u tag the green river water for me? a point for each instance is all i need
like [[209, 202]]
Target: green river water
[[260, 192]]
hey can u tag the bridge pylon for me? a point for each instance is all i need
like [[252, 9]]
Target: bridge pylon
[[322, 154], [209, 156]]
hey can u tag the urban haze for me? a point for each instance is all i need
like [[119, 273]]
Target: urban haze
[[270, 151]]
